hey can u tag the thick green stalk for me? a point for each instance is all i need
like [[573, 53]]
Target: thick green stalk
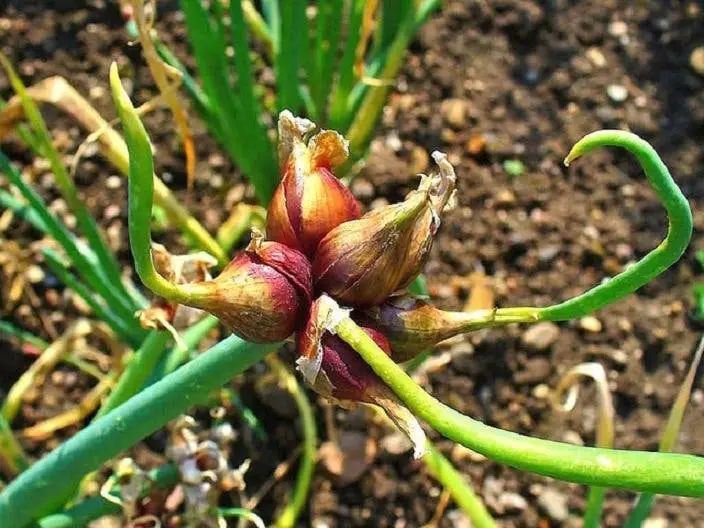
[[43, 488], [140, 367], [637, 470], [250, 118], [207, 37], [141, 194], [461, 491], [258, 27], [179, 355], [346, 76], [324, 56]]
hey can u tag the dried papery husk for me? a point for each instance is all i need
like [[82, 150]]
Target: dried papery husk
[[334, 370]]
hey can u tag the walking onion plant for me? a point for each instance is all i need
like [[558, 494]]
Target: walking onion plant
[[322, 253]]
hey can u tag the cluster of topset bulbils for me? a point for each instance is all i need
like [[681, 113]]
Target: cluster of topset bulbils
[[318, 242]]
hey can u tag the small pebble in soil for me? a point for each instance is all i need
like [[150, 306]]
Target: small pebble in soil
[[618, 28], [572, 437], [548, 253], [541, 336], [112, 211], [590, 324], [396, 443], [554, 504], [596, 57], [657, 522], [625, 325], [542, 391], [455, 112], [696, 60], [617, 93], [113, 182], [620, 357], [34, 274], [531, 77], [393, 142], [505, 197], [216, 181], [458, 519], [512, 502], [536, 370], [476, 144]]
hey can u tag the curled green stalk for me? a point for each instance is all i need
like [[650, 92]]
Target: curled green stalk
[[654, 263], [141, 193], [140, 367], [663, 473]]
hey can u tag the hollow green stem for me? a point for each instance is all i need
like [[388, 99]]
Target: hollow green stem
[[654, 263], [44, 487], [655, 472], [179, 355], [293, 508], [461, 491], [138, 370], [141, 193]]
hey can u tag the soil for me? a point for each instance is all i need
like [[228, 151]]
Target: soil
[[486, 82]]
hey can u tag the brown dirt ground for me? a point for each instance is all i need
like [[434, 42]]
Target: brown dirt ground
[[529, 79]]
